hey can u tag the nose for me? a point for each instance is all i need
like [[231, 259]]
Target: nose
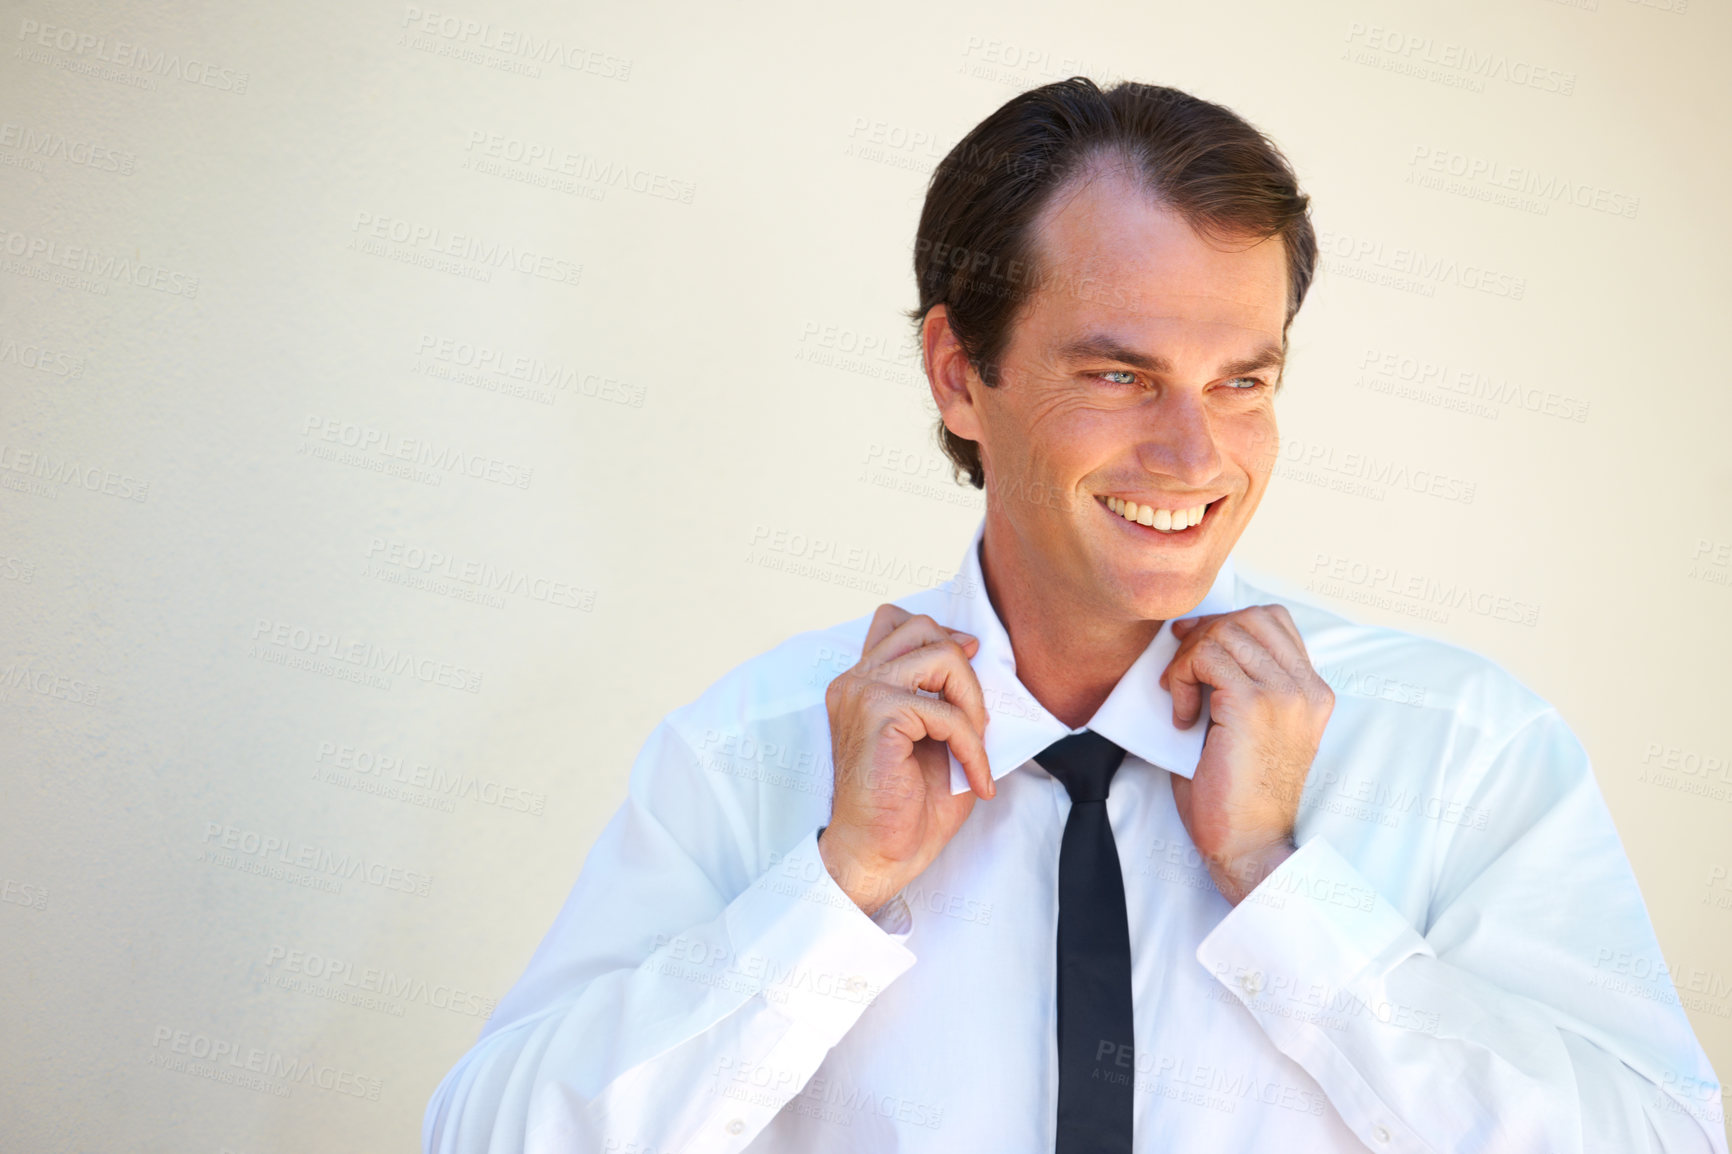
[[1178, 440]]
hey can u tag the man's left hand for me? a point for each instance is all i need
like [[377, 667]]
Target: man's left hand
[[1267, 710]]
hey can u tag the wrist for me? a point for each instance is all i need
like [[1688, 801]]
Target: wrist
[[1237, 876], [867, 886]]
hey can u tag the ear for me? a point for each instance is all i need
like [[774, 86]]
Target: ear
[[956, 387]]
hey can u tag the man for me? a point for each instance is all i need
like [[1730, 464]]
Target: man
[[1080, 852]]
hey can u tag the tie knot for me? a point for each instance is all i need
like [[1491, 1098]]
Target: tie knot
[[1084, 762]]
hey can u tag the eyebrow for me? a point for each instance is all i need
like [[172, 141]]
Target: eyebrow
[[1107, 348]]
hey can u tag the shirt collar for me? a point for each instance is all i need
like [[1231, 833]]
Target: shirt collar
[[1137, 715]]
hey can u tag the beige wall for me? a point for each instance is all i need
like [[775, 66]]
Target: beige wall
[[200, 283]]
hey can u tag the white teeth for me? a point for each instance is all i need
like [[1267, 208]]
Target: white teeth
[[1161, 520]]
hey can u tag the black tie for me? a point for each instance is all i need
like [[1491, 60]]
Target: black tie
[[1096, 1066]]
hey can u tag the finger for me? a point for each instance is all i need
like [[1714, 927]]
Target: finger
[[910, 634], [1284, 619], [1183, 625], [1262, 649], [887, 617], [1284, 648], [940, 667], [944, 722], [1252, 652], [1206, 663], [1187, 630]]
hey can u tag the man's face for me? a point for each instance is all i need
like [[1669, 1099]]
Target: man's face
[[1143, 371]]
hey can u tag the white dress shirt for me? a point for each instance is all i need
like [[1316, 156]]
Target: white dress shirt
[[1457, 957]]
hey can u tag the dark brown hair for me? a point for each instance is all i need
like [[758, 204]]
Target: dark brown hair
[[974, 249]]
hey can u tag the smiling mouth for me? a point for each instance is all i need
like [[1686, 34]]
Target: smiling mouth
[[1168, 522]]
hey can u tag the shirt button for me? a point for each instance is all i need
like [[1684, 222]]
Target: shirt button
[[1252, 983], [736, 1126], [1381, 1133]]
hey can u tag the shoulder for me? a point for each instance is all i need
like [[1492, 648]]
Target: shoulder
[[1403, 670]]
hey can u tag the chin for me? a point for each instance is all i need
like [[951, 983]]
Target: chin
[[1163, 594]]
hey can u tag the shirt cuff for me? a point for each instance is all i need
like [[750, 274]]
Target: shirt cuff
[[823, 961], [1313, 929]]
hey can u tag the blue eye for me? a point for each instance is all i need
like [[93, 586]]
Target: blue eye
[[1254, 382], [1130, 377]]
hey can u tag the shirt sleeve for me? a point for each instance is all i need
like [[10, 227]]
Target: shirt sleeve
[[671, 1007], [1519, 1021]]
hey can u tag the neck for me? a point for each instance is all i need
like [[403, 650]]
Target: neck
[[1069, 650]]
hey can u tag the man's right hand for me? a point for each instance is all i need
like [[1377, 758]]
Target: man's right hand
[[892, 810]]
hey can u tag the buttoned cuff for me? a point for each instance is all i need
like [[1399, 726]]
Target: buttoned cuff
[[1306, 952], [1311, 931], [822, 961]]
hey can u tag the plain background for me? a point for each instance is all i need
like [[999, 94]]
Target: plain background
[[256, 301]]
